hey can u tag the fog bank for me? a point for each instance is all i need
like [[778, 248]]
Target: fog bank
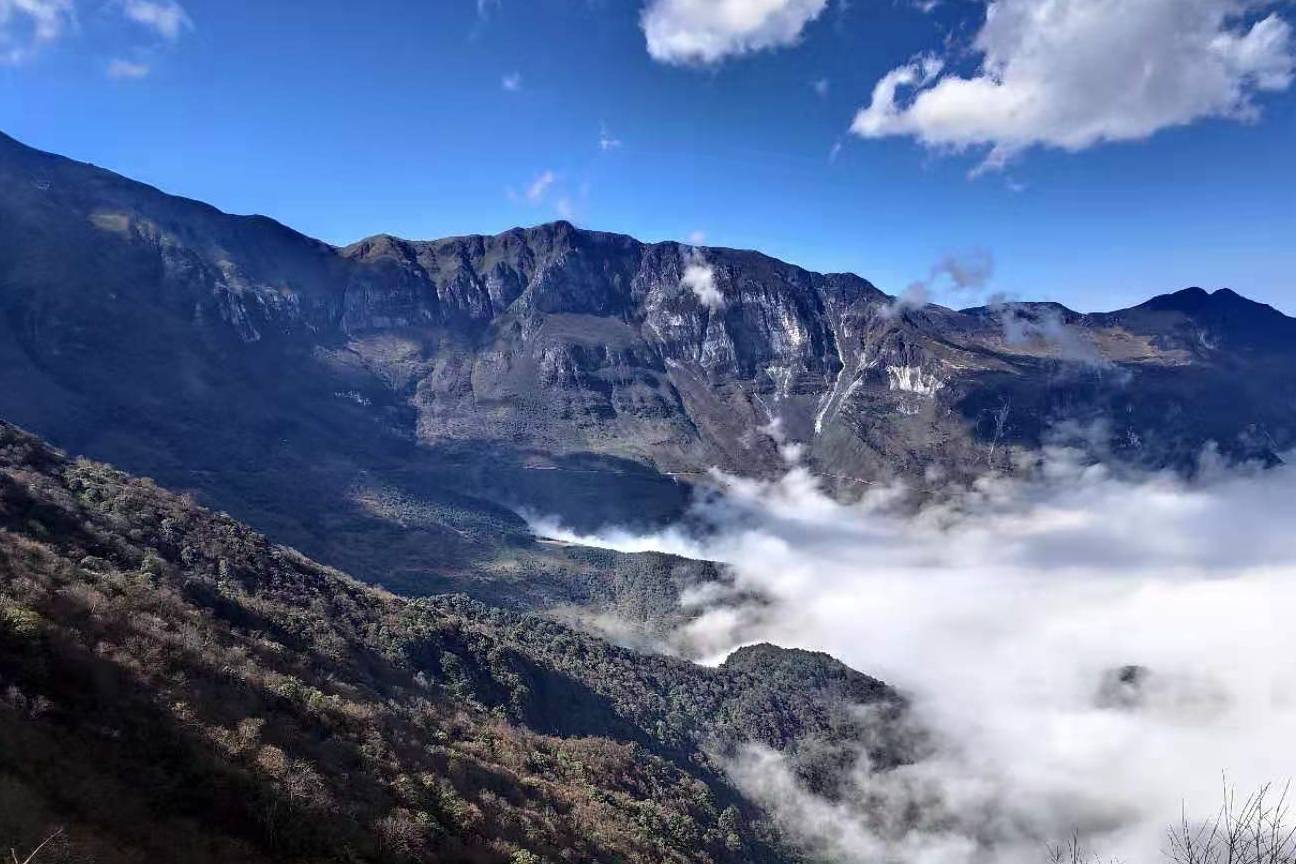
[[1008, 612]]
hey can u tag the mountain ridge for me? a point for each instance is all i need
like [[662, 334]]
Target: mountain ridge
[[389, 405], [551, 225]]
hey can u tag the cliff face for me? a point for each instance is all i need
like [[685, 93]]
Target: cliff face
[[378, 401], [581, 341]]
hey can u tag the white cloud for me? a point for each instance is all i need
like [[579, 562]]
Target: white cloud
[[1024, 324], [549, 189], [1074, 73], [914, 296], [697, 238], [707, 31], [821, 87], [119, 70], [700, 278], [960, 274], [512, 82], [540, 186], [27, 25], [1004, 613], [165, 17]]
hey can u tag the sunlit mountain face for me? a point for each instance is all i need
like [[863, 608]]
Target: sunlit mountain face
[[842, 464]]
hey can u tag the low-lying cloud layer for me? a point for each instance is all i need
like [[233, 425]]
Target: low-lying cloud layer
[[1091, 649]]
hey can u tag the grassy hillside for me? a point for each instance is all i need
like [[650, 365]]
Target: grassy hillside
[[175, 687]]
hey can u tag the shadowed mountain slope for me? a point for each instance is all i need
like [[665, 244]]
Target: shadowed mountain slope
[[174, 687]]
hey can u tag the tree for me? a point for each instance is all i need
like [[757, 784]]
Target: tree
[[1254, 831]]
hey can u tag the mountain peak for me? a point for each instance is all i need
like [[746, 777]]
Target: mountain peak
[[1184, 300], [1195, 300]]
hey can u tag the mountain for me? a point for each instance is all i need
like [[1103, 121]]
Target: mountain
[[389, 406], [174, 687]]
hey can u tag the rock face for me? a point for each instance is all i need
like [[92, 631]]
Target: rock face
[[582, 342], [374, 401]]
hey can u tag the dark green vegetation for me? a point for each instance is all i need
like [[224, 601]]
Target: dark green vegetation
[[382, 406], [174, 687]]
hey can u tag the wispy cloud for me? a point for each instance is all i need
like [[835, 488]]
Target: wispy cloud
[[127, 70], [607, 141], [512, 82], [26, 26], [963, 274], [165, 17], [538, 188], [552, 190]]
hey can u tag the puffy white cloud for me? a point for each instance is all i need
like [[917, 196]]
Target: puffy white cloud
[[700, 278], [1074, 73], [708, 31], [26, 25], [120, 70], [166, 17]]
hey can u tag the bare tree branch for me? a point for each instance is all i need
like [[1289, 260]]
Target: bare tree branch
[[14, 853]]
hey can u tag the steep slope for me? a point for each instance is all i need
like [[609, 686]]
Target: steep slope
[[387, 406], [174, 687], [191, 345], [585, 342]]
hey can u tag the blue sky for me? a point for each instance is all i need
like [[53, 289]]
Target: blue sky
[[661, 118]]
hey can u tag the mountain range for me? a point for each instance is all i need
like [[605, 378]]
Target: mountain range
[[389, 407], [324, 628]]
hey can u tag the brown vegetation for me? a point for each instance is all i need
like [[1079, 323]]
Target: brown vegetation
[[175, 687]]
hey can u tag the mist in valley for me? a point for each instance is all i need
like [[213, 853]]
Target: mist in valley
[[1093, 651]]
